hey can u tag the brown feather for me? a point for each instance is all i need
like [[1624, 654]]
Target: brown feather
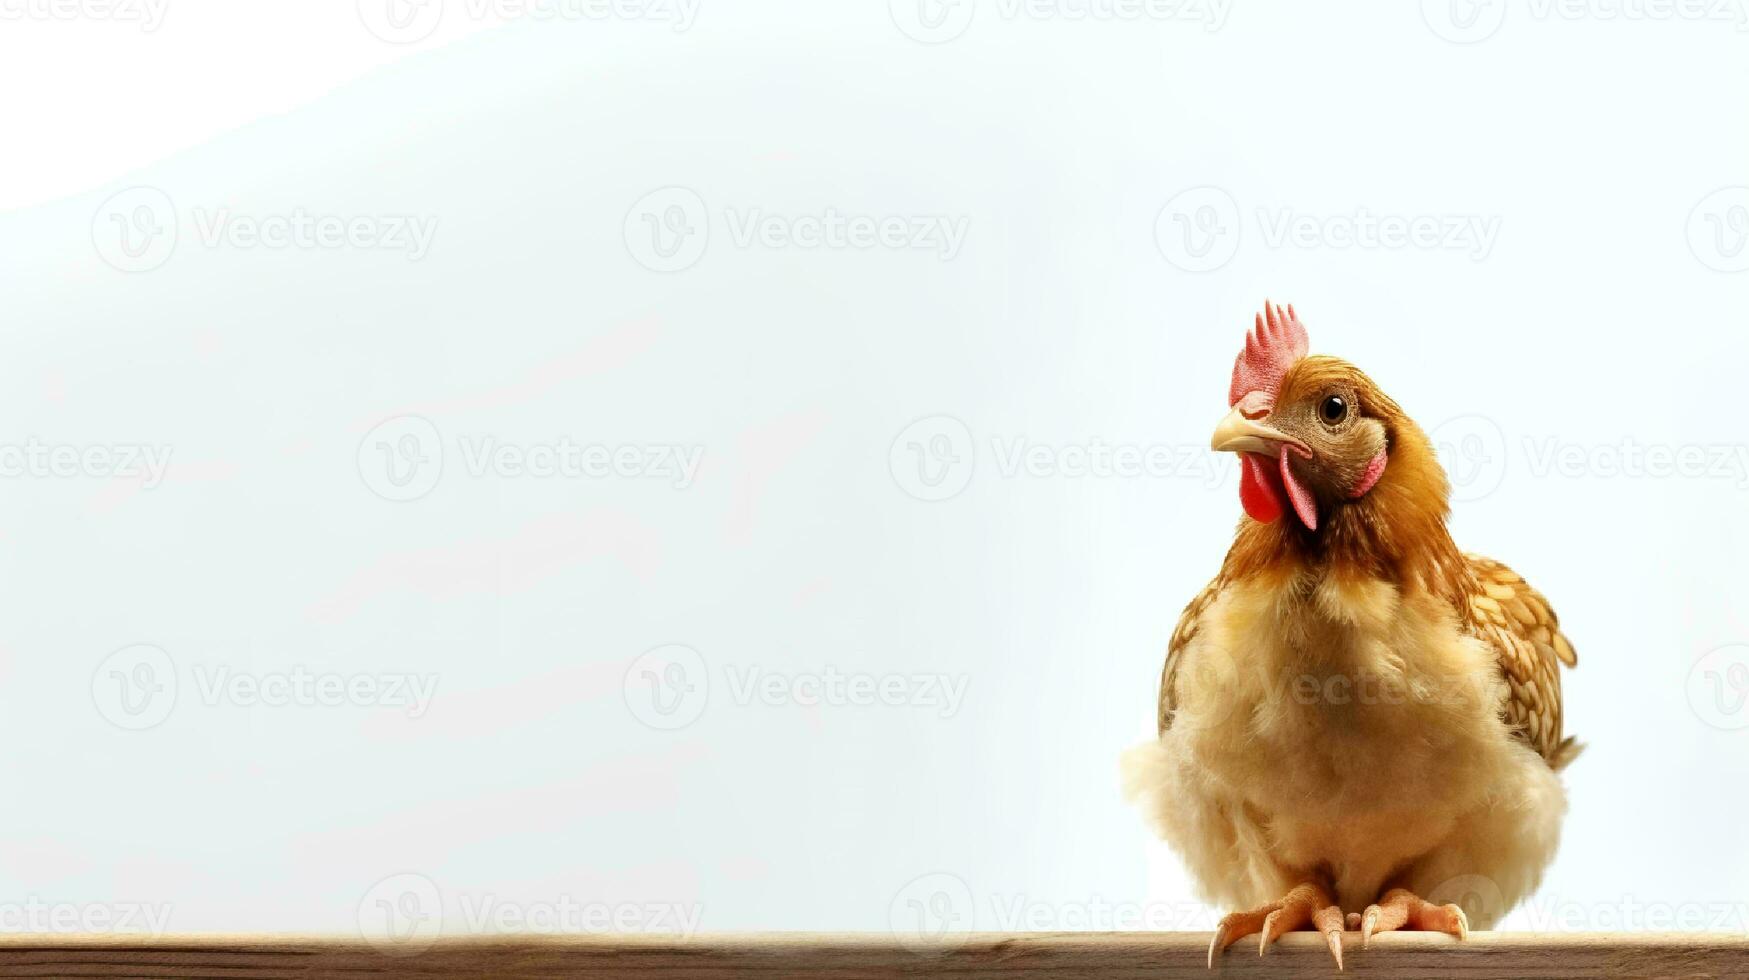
[[1530, 654]]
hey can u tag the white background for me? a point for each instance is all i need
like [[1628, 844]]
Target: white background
[[1130, 188]]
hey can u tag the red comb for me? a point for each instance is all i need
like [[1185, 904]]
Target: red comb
[[1278, 340]]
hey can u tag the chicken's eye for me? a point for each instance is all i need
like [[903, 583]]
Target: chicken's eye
[[1333, 409]]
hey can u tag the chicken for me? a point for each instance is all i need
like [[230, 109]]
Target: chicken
[[1354, 715]]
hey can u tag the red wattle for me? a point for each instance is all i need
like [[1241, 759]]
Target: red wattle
[[1374, 470], [1256, 491], [1304, 505]]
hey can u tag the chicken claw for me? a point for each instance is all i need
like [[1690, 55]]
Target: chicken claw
[[1400, 908], [1305, 906]]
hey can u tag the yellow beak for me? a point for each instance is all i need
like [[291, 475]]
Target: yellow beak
[[1238, 434]]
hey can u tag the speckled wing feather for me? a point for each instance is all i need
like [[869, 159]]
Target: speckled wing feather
[[1520, 625], [1188, 624]]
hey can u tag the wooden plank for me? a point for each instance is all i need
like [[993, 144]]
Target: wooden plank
[[1155, 956]]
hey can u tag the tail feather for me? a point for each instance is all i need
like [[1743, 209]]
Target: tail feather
[[1565, 753]]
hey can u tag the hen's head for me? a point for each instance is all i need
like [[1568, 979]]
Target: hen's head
[[1318, 439]]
